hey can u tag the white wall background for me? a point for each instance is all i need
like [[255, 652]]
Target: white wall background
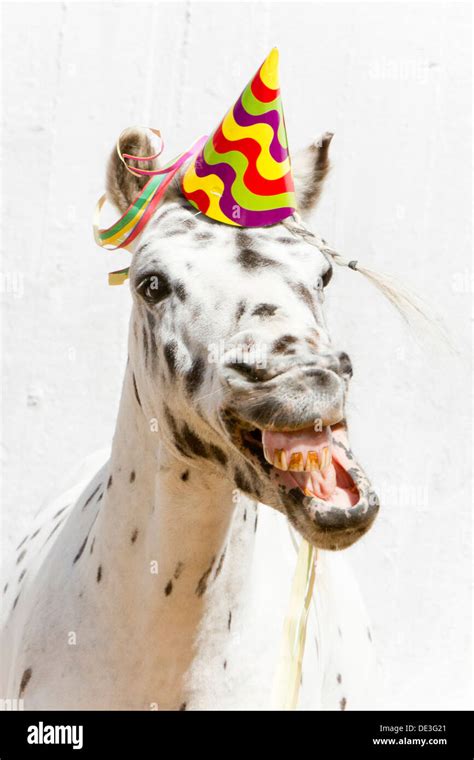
[[393, 82]]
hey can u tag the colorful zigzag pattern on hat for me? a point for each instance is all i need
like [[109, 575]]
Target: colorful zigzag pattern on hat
[[242, 176]]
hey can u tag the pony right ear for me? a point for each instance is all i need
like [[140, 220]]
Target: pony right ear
[[310, 167], [121, 186]]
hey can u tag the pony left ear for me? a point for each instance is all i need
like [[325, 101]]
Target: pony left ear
[[310, 167], [121, 185]]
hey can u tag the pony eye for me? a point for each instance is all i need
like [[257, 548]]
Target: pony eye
[[154, 288], [326, 278]]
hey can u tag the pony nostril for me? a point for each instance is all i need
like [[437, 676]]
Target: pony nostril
[[345, 364]]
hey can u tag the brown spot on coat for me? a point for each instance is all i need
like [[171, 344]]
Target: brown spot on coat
[[135, 389], [195, 375], [81, 549], [218, 454], [25, 679], [193, 443], [203, 235], [202, 583], [241, 481], [264, 310], [91, 496], [240, 310], [283, 343], [171, 356], [250, 260], [304, 294], [219, 566]]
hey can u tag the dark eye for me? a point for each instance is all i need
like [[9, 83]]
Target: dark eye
[[326, 278], [153, 288]]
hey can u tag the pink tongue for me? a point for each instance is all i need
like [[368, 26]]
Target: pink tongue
[[319, 482]]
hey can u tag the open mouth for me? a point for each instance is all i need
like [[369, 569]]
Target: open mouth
[[319, 464], [325, 493]]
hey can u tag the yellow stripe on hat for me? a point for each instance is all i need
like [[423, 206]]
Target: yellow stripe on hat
[[269, 72]]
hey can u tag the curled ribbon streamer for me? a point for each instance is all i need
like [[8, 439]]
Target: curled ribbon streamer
[[122, 156], [124, 231]]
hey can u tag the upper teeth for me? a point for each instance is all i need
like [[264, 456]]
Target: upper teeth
[[279, 459], [296, 461], [314, 460]]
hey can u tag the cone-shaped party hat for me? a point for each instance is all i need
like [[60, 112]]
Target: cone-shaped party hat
[[242, 175]]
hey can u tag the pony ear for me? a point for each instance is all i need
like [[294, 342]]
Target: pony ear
[[120, 185], [310, 167]]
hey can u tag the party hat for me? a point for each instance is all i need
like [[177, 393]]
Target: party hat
[[242, 175]]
